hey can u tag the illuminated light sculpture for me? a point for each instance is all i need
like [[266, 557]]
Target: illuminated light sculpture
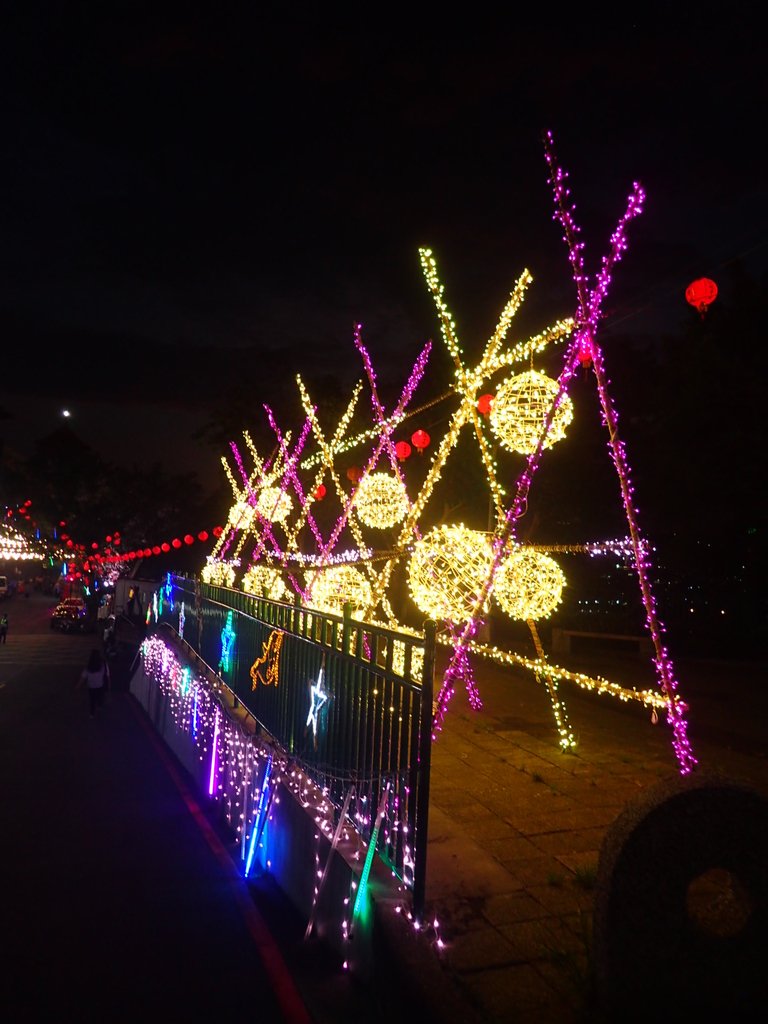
[[270, 659], [519, 412], [333, 587], [700, 294], [227, 645], [528, 585], [274, 504], [446, 570], [381, 501], [265, 581], [468, 384]]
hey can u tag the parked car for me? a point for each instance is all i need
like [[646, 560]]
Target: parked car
[[72, 616]]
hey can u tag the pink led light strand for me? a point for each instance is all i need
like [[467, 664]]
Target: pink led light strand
[[587, 318], [405, 398]]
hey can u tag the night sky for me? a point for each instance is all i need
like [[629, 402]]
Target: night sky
[[187, 190]]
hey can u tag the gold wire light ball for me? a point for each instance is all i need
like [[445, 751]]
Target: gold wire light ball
[[218, 573], [241, 515], [447, 571], [528, 585], [274, 504], [381, 500], [333, 587], [520, 408], [264, 581]]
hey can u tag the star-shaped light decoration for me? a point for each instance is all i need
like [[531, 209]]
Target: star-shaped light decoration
[[317, 697]]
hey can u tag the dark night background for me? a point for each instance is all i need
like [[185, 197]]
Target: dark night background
[[199, 203]]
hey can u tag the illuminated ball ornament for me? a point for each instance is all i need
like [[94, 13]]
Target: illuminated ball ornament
[[274, 504], [520, 410], [528, 585], [337, 585], [447, 571], [381, 501], [241, 515], [265, 581], [218, 572]]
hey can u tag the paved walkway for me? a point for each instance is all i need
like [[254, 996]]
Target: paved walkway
[[517, 826]]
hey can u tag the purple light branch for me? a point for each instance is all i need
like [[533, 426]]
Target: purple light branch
[[587, 319], [405, 398], [266, 524], [293, 476]]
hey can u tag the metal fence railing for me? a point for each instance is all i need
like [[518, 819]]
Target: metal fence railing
[[349, 702]]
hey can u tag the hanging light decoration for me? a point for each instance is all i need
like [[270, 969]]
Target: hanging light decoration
[[274, 504], [402, 450], [319, 492], [337, 585], [353, 474], [520, 410], [528, 585], [484, 403], [381, 501], [700, 294], [447, 570], [420, 439]]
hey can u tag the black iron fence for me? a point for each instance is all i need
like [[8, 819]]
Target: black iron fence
[[350, 703]]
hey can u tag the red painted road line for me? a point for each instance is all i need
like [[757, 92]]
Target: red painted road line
[[287, 994]]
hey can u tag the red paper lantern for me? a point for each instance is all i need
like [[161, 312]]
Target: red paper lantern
[[354, 473], [176, 542], [701, 293], [420, 440], [484, 404], [203, 535], [320, 492], [165, 546], [188, 538], [402, 450]]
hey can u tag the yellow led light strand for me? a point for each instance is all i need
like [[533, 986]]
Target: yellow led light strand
[[595, 684], [567, 739]]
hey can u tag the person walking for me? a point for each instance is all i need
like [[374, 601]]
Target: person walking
[[95, 678], [3, 627]]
